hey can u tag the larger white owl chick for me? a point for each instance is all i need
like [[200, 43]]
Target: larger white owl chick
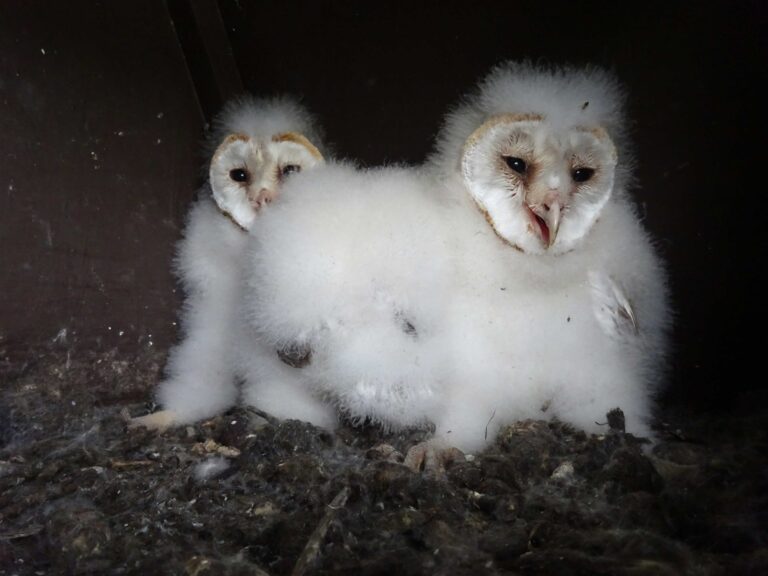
[[258, 144], [511, 279], [347, 267], [560, 305]]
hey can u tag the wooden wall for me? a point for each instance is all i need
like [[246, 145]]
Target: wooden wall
[[99, 133], [101, 116]]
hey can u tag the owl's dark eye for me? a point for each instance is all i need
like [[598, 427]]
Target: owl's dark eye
[[239, 175], [517, 164], [582, 174], [289, 169]]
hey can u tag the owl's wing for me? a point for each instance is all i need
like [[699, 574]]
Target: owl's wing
[[612, 308]]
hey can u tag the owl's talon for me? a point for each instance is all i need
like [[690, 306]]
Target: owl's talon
[[384, 451], [157, 421], [432, 457]]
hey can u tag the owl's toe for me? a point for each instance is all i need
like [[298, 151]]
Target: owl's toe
[[157, 421], [432, 457]]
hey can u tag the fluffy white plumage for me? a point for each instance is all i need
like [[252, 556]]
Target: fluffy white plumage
[[259, 143], [562, 296], [341, 266], [479, 290]]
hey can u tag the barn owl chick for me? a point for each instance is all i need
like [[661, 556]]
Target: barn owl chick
[[509, 279], [246, 171], [526, 176], [348, 266], [259, 145], [561, 306]]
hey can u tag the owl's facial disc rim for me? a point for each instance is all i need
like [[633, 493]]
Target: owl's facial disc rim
[[496, 120], [219, 176], [298, 138]]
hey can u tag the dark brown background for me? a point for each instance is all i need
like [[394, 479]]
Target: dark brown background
[[103, 104]]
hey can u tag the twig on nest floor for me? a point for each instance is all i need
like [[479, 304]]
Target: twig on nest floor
[[312, 550]]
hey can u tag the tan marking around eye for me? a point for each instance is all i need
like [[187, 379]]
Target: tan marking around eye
[[495, 121], [226, 142], [514, 178], [298, 139]]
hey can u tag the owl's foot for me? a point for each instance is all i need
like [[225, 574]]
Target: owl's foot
[[158, 421], [432, 456], [384, 451]]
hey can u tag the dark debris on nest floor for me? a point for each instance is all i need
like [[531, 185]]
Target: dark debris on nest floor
[[243, 493]]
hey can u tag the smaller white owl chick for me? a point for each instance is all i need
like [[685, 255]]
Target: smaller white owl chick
[[259, 144]]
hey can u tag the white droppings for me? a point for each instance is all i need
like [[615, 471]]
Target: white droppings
[[209, 468], [563, 472], [42, 51]]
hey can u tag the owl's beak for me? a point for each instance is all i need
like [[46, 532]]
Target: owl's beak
[[263, 196], [545, 218]]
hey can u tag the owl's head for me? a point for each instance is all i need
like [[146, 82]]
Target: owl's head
[[536, 150], [260, 144]]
